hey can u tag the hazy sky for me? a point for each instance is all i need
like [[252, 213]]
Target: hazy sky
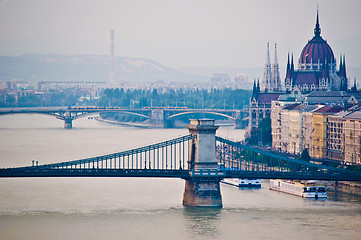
[[180, 33]]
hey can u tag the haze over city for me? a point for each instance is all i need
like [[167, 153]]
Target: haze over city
[[179, 33]]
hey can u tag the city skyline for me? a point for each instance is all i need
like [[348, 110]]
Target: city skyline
[[180, 34]]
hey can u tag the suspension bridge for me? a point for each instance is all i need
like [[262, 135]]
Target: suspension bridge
[[201, 158]]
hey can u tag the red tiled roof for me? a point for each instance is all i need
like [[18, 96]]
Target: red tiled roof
[[265, 98], [328, 109]]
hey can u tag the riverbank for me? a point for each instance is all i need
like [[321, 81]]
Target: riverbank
[[128, 124], [349, 188]]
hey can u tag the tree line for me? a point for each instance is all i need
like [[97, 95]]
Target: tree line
[[197, 98]]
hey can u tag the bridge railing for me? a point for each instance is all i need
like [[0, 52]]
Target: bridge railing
[[166, 155], [235, 157]]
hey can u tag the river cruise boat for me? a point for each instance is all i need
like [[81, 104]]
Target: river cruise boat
[[243, 182], [308, 189]]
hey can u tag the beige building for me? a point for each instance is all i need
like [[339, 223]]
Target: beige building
[[352, 133], [276, 109], [307, 126], [286, 133], [295, 129], [276, 116]]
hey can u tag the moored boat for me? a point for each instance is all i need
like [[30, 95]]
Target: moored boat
[[243, 182], [303, 189]]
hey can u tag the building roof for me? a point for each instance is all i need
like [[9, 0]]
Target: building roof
[[338, 115], [329, 97], [292, 106], [299, 107], [306, 77], [329, 109], [267, 97], [354, 115], [294, 96], [309, 108]]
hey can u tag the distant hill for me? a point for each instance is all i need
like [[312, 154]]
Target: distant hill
[[34, 68], [31, 67]]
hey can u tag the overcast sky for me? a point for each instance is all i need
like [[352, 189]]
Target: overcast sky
[[180, 33]]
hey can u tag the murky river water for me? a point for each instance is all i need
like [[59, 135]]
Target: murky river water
[[142, 208]]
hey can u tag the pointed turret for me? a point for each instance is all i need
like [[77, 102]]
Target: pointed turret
[[354, 88], [317, 30], [288, 69], [267, 76], [288, 60], [254, 91], [344, 66], [292, 66], [258, 87], [276, 81]]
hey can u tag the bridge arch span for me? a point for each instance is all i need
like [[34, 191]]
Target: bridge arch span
[[132, 113], [53, 114], [201, 112]]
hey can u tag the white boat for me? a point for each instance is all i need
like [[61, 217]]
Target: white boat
[[240, 182], [321, 192], [303, 189]]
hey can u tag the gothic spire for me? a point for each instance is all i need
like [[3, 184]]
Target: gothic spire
[[254, 92], [276, 80], [275, 60], [344, 63], [354, 86], [317, 27], [288, 60], [267, 76], [292, 66], [268, 57]]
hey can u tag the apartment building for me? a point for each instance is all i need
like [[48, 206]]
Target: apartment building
[[307, 127], [295, 129], [320, 133], [336, 140], [352, 137]]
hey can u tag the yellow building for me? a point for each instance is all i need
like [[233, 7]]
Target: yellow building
[[320, 134], [307, 127], [336, 141]]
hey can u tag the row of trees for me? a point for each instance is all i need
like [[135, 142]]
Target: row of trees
[[198, 98], [53, 98], [138, 98]]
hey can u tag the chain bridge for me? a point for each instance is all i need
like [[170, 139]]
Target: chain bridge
[[159, 117], [201, 158]]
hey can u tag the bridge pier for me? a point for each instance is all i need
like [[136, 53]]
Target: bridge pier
[[68, 123], [238, 123], [157, 118], [202, 188]]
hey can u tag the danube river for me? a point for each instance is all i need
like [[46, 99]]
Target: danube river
[[142, 208]]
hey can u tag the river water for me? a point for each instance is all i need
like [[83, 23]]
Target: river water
[[142, 208]]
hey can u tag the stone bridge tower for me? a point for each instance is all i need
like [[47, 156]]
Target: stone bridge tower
[[202, 188]]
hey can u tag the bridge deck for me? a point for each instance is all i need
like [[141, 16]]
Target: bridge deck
[[171, 159]]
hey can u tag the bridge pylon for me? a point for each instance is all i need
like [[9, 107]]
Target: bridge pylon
[[202, 187], [68, 123]]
